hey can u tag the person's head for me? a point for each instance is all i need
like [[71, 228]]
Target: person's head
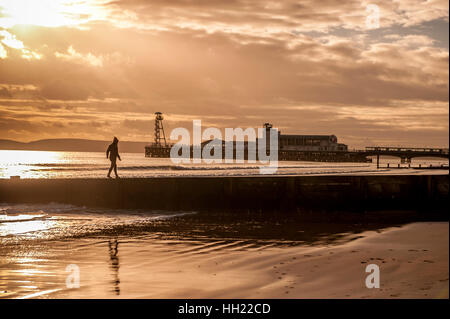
[[115, 140]]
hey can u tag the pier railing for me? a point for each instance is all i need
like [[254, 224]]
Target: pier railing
[[406, 149]]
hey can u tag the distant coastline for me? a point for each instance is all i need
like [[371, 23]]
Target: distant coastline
[[71, 145]]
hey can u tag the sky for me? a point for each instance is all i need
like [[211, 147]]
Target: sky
[[370, 72]]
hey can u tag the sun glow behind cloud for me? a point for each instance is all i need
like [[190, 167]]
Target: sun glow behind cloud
[[10, 40], [50, 13]]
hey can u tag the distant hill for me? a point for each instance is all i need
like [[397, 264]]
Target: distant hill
[[72, 145]]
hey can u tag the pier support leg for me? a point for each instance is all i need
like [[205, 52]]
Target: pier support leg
[[378, 161]]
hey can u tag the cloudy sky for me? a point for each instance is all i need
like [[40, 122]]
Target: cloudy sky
[[97, 68]]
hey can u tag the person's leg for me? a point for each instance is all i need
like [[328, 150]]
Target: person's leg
[[115, 169], [110, 169]]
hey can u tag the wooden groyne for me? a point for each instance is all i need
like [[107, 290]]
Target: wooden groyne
[[284, 193]]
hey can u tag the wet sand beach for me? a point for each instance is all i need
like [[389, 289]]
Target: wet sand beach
[[223, 260]]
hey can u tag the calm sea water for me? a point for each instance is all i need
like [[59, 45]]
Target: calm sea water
[[39, 164]]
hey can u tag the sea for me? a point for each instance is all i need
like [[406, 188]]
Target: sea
[[42, 164]]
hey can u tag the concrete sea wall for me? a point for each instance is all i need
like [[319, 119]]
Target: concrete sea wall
[[259, 193]]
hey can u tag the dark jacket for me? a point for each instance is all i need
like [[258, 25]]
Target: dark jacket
[[112, 152]]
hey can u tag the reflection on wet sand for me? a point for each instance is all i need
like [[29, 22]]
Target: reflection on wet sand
[[113, 245]]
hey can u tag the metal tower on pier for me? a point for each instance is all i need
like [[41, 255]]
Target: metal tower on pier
[[160, 136], [267, 126]]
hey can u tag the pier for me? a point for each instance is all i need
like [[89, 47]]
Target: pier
[[358, 156], [405, 154], [315, 148]]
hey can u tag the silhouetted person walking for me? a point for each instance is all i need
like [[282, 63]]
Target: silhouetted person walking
[[113, 153]]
